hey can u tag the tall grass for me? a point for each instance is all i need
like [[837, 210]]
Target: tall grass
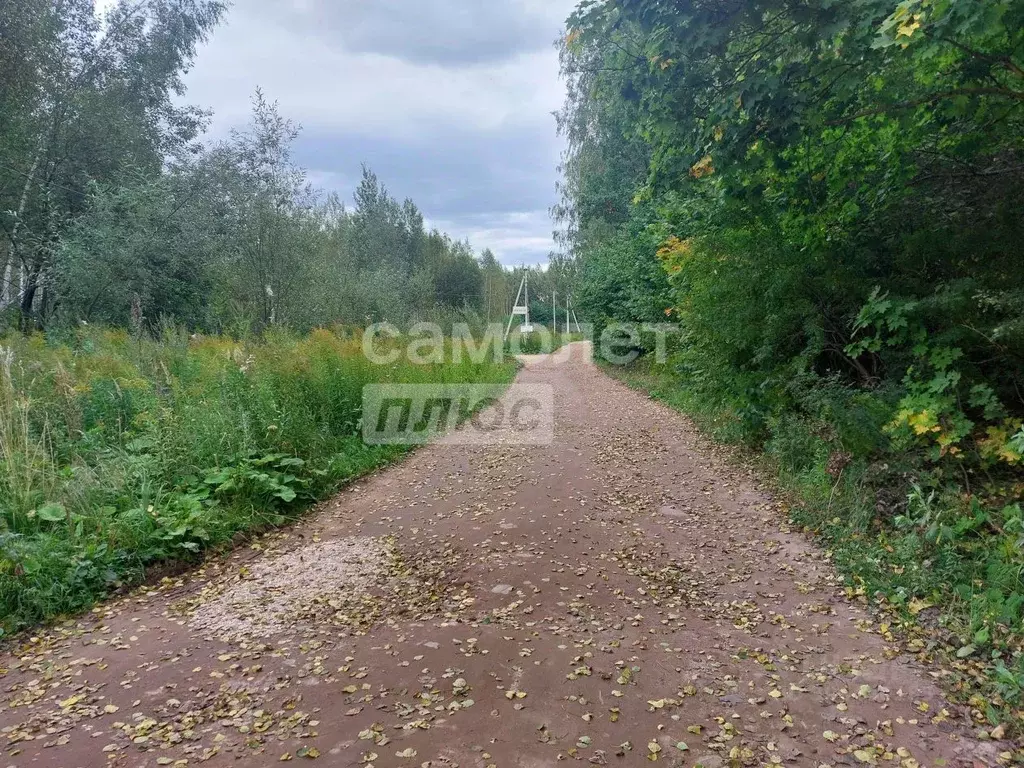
[[28, 468], [122, 452]]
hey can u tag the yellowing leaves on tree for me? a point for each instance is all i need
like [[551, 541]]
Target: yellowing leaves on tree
[[924, 422], [703, 167], [909, 27], [996, 446], [673, 254]]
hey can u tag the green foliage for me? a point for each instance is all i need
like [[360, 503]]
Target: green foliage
[[620, 281], [94, 100], [121, 452], [235, 240]]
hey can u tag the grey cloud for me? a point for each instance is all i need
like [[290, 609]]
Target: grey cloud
[[491, 187], [444, 32], [517, 238], [470, 138], [447, 172]]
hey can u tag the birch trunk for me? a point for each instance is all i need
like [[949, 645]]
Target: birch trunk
[[15, 255]]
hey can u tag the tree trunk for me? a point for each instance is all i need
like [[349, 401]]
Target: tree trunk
[[28, 295], [5, 287], [14, 254]]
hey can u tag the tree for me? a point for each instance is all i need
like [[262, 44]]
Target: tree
[[458, 282], [90, 102], [145, 247], [828, 195], [496, 299], [382, 228], [267, 200]]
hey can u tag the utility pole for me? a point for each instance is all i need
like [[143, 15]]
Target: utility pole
[[522, 310], [526, 286]]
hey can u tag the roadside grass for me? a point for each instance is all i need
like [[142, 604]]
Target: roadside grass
[[121, 453], [944, 568]]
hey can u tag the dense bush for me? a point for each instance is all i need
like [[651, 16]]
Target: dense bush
[[120, 451]]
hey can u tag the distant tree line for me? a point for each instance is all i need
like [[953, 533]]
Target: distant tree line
[[113, 210]]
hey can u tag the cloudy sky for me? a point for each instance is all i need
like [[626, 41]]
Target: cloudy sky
[[448, 101]]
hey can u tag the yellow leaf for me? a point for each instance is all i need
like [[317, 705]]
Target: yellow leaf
[[922, 423], [703, 167], [908, 28], [72, 700], [916, 606]]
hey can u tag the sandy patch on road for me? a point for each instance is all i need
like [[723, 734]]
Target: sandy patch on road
[[275, 592]]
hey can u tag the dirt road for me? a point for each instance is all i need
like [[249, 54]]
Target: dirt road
[[616, 597]]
